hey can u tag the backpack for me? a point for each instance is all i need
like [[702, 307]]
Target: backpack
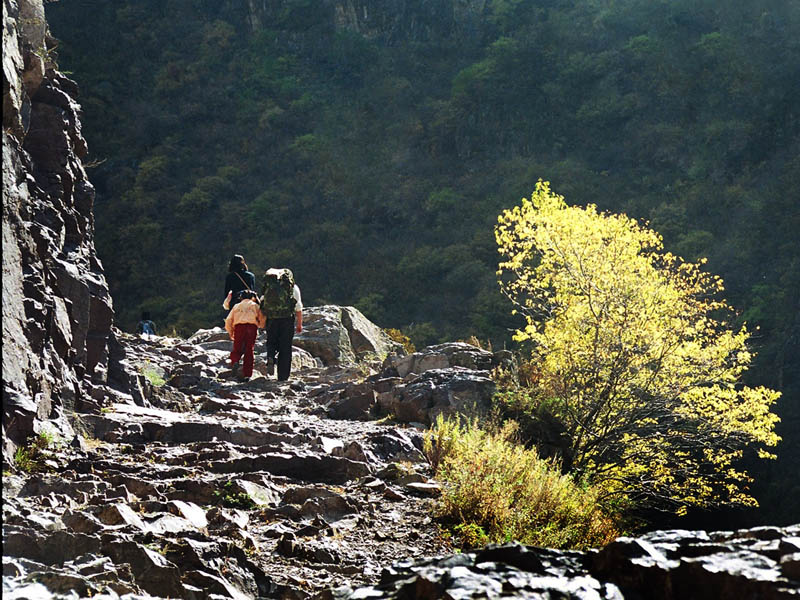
[[147, 327], [277, 295]]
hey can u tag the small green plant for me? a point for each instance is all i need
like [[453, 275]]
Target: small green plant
[[25, 459], [48, 439], [30, 458], [230, 499], [46, 54], [471, 535], [152, 374]]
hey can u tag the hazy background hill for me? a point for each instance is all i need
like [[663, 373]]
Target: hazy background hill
[[371, 145]]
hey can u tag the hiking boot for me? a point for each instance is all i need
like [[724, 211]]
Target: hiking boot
[[271, 367], [235, 370]]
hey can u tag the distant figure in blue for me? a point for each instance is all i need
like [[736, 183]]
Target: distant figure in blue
[[238, 279], [146, 326]]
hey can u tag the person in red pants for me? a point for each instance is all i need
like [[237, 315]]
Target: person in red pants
[[242, 324]]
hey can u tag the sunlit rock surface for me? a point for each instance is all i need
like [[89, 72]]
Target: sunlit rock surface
[[57, 312]]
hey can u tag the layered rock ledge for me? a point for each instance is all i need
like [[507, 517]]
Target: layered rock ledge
[[758, 563]]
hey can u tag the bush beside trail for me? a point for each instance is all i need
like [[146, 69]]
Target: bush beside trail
[[495, 490]]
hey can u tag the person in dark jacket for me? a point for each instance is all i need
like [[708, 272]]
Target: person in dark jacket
[[238, 279], [284, 313], [146, 326]]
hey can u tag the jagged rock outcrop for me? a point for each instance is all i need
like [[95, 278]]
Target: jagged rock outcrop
[[662, 565], [446, 392], [57, 312], [444, 356], [342, 335]]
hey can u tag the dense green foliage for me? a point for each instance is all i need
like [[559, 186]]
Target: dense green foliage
[[375, 166]]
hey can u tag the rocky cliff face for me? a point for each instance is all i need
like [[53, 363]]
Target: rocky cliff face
[[57, 312]]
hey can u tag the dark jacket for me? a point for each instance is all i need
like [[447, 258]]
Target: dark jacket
[[146, 324], [233, 283]]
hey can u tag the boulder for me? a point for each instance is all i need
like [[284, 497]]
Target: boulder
[[341, 335], [356, 402], [451, 391], [398, 445], [440, 356], [215, 338]]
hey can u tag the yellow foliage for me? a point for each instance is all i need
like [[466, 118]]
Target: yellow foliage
[[402, 339], [631, 340]]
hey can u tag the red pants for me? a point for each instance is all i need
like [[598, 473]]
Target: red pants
[[244, 339]]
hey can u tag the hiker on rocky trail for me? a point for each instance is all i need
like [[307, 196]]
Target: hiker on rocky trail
[[238, 280], [283, 307], [242, 324], [146, 326]]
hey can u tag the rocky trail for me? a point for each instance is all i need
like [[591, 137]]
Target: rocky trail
[[183, 481], [207, 485]]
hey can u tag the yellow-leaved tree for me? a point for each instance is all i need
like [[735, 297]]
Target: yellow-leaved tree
[[635, 355]]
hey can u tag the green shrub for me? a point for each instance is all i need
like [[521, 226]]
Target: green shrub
[[25, 458], [228, 497], [153, 375], [496, 490], [30, 458]]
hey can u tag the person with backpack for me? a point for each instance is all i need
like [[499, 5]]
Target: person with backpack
[[146, 326], [238, 280], [242, 325], [283, 307]]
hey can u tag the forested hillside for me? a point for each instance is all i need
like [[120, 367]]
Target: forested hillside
[[370, 147]]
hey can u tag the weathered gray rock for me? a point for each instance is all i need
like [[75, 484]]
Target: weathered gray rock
[[446, 392], [660, 566], [357, 401], [203, 337], [790, 566], [57, 312], [441, 356], [693, 564], [302, 467], [342, 335]]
